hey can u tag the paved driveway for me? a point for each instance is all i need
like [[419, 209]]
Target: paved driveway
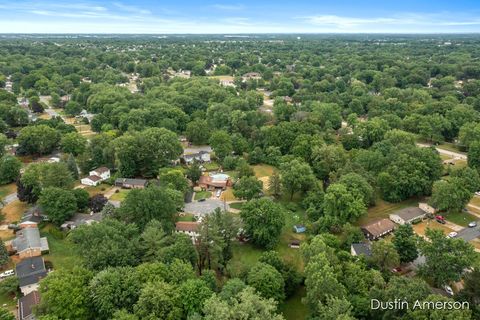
[[202, 208], [468, 234]]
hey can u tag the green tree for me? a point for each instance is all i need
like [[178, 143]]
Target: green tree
[[439, 314], [65, 294], [73, 143], [405, 243], [384, 255], [474, 155], [471, 291], [82, 198], [109, 243], [58, 204], [296, 176], [4, 257], [142, 205], [275, 185], [267, 281], [158, 300], [451, 195], [445, 258], [335, 308], [193, 293], [194, 172], [72, 166], [197, 132], [6, 314], [9, 169], [221, 143], [39, 139], [263, 220], [3, 144], [247, 188], [341, 203], [173, 179]]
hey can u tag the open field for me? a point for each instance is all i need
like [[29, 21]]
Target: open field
[[421, 227], [460, 218], [101, 188], [62, 254], [120, 195], [263, 170]]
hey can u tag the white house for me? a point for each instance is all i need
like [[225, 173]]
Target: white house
[[102, 172], [188, 228], [202, 156], [91, 181], [408, 215]]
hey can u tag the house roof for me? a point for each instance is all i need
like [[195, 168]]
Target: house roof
[[362, 248], [27, 238], [101, 170], [410, 213], [94, 178], [30, 271], [137, 182], [26, 303], [379, 227], [207, 180], [187, 226]]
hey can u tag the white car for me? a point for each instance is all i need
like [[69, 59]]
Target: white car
[[448, 290], [477, 193], [7, 273], [452, 234]]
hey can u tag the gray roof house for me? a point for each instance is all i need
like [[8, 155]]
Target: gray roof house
[[357, 249], [407, 215], [29, 272], [28, 242], [131, 183]]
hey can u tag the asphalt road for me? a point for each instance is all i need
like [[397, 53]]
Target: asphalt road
[[468, 234], [452, 154]]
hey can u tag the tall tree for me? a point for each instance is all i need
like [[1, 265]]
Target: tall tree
[[384, 255], [405, 243]]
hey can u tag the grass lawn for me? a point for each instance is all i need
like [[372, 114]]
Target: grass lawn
[[186, 217], [119, 196], [263, 170], [7, 189], [101, 188], [202, 195], [62, 252], [449, 146], [236, 205], [460, 218], [211, 166], [421, 227], [382, 209], [475, 201], [14, 211], [293, 308]]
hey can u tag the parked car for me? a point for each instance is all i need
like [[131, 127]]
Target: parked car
[[477, 193], [448, 290], [7, 273], [440, 219], [218, 193], [472, 224], [452, 234], [201, 200]]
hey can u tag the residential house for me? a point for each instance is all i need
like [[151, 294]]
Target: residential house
[[91, 181], [227, 82], [378, 229], [357, 249], [408, 215], [427, 208], [28, 242], [251, 76], [215, 181], [189, 228], [185, 74], [96, 176], [128, 183], [201, 156], [29, 272], [25, 306]]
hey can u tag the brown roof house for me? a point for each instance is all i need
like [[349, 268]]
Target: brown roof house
[[26, 304], [378, 229], [408, 215], [189, 228], [215, 181]]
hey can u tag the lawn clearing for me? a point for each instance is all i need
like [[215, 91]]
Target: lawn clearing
[[7, 189], [236, 205], [120, 195], [421, 227], [62, 252], [449, 146], [186, 217], [382, 209], [263, 170], [293, 308], [460, 218], [101, 188], [211, 166], [14, 210], [202, 195]]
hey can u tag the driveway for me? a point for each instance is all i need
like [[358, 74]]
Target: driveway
[[10, 198], [202, 208], [452, 154]]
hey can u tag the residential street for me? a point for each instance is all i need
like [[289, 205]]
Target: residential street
[[445, 152]]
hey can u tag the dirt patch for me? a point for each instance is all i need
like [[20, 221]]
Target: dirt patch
[[420, 228]]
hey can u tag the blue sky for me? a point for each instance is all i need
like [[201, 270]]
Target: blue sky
[[145, 16]]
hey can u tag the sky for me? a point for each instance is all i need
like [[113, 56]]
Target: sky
[[247, 16]]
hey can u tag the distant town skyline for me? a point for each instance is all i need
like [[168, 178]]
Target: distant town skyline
[[219, 17]]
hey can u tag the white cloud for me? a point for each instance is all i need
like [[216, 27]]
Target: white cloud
[[228, 7]]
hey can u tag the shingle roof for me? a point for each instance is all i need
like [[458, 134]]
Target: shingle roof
[[362, 248], [186, 226], [26, 303], [27, 238], [379, 227], [30, 271], [138, 182], [410, 213]]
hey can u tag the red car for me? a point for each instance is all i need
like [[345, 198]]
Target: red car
[[440, 219]]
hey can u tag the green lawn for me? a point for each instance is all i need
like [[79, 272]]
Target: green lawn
[[202, 195], [293, 308], [382, 209], [7, 189], [263, 170], [212, 166], [186, 217], [62, 254], [101, 188], [120, 196], [236, 205], [460, 218]]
